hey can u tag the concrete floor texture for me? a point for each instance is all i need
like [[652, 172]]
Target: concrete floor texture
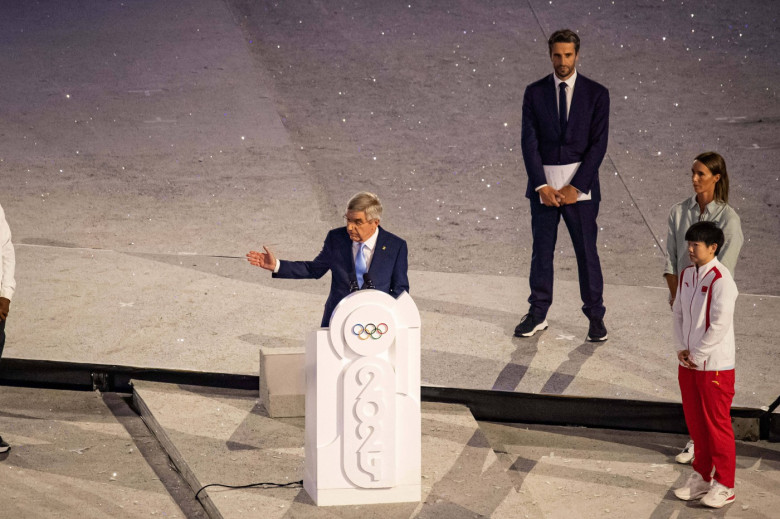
[[148, 145]]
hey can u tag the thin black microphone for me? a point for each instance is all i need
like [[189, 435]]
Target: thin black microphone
[[353, 284], [367, 282]]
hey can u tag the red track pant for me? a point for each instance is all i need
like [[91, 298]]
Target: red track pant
[[706, 399]]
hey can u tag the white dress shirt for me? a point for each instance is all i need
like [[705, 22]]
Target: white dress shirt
[[569, 93], [7, 259], [368, 249]]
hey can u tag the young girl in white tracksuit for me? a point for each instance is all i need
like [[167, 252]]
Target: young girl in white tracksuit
[[704, 332]]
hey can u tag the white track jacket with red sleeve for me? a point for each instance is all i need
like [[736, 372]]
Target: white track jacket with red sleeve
[[704, 316]]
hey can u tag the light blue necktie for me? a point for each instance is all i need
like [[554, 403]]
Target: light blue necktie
[[360, 265]]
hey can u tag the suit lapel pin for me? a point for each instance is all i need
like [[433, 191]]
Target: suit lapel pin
[[383, 247]]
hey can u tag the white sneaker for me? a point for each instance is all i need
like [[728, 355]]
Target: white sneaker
[[718, 496], [686, 456], [694, 488]]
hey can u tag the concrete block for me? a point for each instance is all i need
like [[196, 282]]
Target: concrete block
[[283, 381]]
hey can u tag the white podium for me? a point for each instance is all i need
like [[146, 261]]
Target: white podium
[[363, 428]]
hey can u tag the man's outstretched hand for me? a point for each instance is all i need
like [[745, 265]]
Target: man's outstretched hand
[[265, 260]]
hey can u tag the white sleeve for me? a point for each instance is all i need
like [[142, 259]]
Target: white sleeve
[[724, 297], [8, 266]]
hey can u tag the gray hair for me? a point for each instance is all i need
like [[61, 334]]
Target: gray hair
[[367, 202]]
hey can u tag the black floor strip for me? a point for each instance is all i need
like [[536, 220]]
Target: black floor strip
[[154, 455], [500, 406]]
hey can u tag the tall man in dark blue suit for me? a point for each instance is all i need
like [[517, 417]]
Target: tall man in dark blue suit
[[360, 255], [565, 124]]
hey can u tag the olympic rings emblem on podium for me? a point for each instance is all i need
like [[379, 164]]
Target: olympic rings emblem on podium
[[371, 330]]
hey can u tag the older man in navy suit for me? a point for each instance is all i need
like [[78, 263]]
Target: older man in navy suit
[[564, 139], [360, 255]]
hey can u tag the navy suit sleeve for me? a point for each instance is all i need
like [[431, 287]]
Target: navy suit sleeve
[[400, 281], [529, 139], [597, 143], [314, 269]]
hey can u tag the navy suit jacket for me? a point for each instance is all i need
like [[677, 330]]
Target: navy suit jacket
[[585, 139], [388, 270]]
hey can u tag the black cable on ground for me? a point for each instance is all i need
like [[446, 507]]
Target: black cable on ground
[[292, 484]]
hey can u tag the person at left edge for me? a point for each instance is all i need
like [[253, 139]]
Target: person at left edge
[[384, 256], [7, 286]]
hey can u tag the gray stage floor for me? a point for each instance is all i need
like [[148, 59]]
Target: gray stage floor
[[148, 146], [79, 455]]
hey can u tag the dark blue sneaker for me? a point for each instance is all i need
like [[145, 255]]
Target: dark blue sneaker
[[4, 447], [529, 326], [597, 332]]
